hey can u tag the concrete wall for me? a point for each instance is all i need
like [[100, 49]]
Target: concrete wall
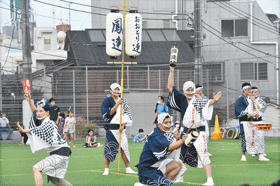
[[217, 50], [142, 106]]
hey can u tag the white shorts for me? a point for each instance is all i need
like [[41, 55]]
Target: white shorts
[[54, 165], [201, 147]]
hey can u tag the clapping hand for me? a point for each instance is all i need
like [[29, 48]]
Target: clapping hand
[[216, 97]]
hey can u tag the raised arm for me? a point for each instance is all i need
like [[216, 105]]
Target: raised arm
[[28, 99], [170, 79], [216, 98]]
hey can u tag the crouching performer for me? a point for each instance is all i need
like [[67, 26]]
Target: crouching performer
[[47, 136], [194, 113], [154, 168]]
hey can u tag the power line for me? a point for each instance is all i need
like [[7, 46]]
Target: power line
[[243, 42], [237, 46], [97, 13], [10, 45], [273, 32], [249, 15], [98, 7], [266, 53], [69, 8]]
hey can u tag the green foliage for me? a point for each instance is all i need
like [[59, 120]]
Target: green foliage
[[82, 127]]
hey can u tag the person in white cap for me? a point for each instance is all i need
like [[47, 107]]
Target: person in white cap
[[199, 94], [111, 115], [154, 168], [193, 111]]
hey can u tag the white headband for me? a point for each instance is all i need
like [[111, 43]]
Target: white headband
[[198, 88], [254, 90], [245, 87]]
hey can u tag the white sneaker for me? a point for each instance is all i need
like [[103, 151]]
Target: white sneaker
[[209, 183], [138, 184], [243, 158], [130, 171], [106, 172], [254, 155], [180, 179], [209, 154], [262, 158]]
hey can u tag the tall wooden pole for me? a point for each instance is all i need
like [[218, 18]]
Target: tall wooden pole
[[120, 134], [197, 43]]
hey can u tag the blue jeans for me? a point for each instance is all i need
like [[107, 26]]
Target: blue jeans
[[243, 142], [6, 130]]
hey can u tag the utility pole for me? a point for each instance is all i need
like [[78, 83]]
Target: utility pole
[[26, 48], [197, 44], [0, 86], [69, 12]]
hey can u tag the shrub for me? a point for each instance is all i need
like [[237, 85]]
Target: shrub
[[82, 127]]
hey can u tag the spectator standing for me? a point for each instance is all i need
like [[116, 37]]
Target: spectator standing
[[54, 112], [161, 107], [61, 123], [5, 127], [69, 127]]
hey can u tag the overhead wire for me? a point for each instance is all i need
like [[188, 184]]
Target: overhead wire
[[2, 67], [266, 53], [248, 19], [232, 44], [238, 9]]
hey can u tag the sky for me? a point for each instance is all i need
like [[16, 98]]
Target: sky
[[80, 21]]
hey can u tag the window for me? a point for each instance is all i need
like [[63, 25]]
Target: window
[[215, 72], [234, 28], [47, 41], [253, 71], [96, 36], [47, 44]]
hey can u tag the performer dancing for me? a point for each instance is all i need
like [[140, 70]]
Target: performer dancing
[[111, 114], [199, 94], [46, 136], [153, 168], [244, 110], [261, 106], [193, 110]]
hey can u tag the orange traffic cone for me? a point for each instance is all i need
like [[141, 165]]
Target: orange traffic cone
[[217, 134]]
